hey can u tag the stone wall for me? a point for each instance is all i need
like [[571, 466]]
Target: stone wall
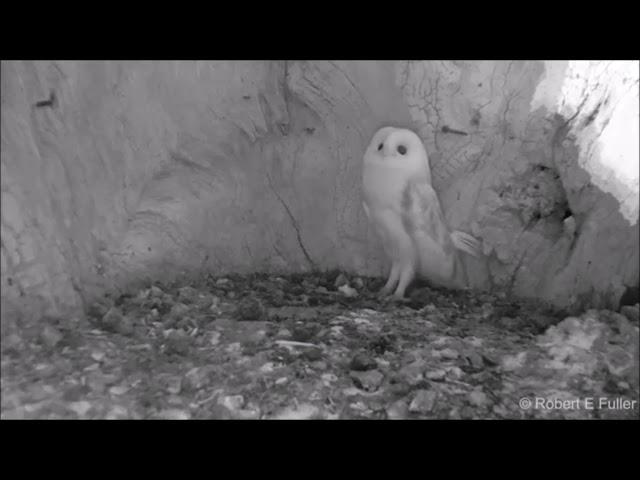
[[157, 169]]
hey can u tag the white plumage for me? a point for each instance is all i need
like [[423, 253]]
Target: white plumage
[[405, 211]]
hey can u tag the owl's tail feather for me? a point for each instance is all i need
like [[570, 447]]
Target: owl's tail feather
[[466, 243]]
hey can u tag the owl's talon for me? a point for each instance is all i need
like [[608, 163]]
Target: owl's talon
[[384, 292], [391, 298]]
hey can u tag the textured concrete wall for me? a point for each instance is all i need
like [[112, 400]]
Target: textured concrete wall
[[156, 169]]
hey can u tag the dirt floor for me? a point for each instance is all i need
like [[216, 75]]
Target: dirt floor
[[321, 346]]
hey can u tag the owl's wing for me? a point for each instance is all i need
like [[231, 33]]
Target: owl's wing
[[366, 210], [422, 217], [424, 220]]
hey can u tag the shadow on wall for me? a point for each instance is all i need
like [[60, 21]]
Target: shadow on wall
[[602, 261], [550, 233]]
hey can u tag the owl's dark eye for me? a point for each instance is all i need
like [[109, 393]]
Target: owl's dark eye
[[402, 149], [380, 147]]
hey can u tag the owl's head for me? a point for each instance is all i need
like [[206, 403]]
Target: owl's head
[[397, 147]]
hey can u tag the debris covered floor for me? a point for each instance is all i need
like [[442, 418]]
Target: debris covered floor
[[322, 346]]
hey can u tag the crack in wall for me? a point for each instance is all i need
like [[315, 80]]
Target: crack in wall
[[355, 88], [294, 223]]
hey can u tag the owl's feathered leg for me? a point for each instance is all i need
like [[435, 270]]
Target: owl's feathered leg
[[392, 281], [407, 263], [407, 273]]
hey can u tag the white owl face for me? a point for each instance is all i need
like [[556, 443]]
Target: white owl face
[[397, 148]]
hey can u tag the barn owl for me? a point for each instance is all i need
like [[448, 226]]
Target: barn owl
[[404, 209]]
